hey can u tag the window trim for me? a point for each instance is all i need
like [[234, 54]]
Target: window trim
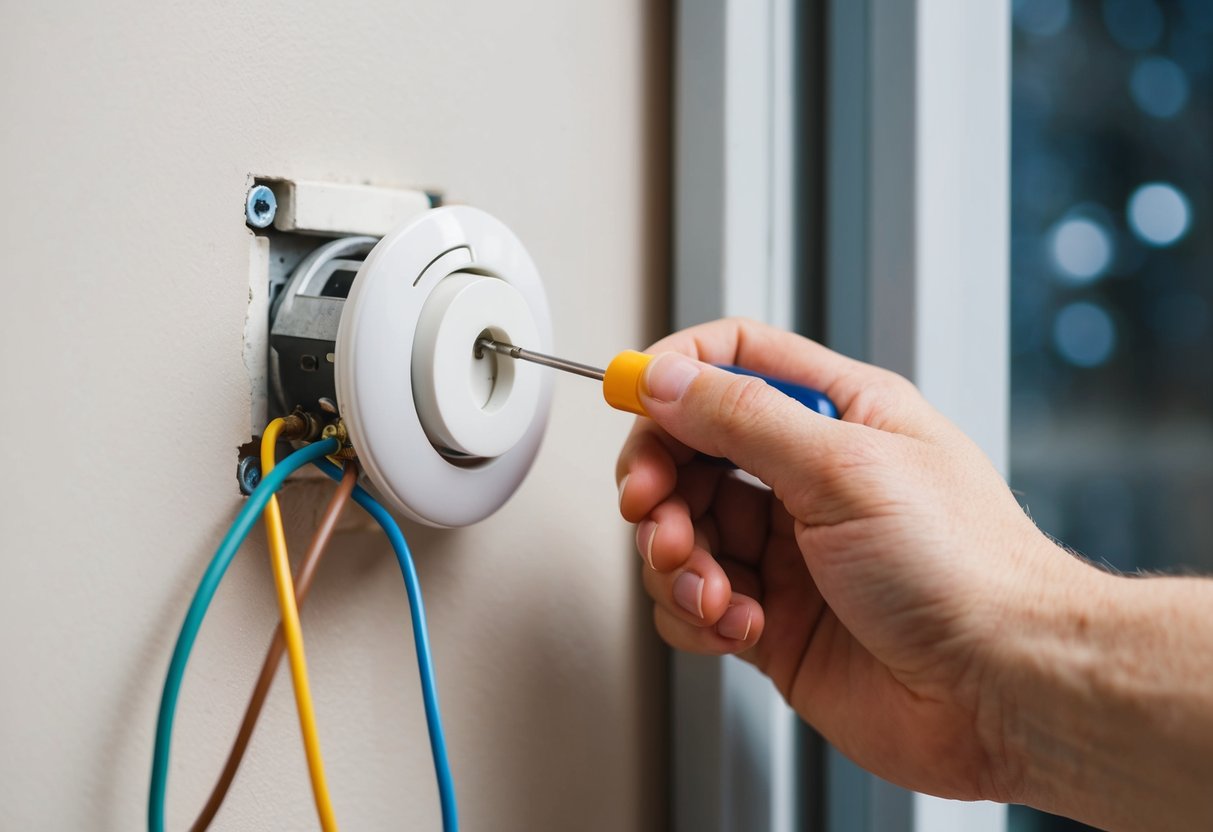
[[914, 275]]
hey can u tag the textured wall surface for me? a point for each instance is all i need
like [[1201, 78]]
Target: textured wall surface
[[127, 136]]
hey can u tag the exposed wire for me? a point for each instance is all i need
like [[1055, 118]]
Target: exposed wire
[[273, 656], [270, 483], [292, 633], [421, 641], [257, 502]]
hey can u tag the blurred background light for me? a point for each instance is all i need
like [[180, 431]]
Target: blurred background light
[[1159, 87], [1041, 17], [1134, 24], [1158, 213], [1081, 249], [1084, 334]]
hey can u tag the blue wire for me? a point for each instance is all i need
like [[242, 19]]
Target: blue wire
[[209, 584], [421, 640], [197, 611]]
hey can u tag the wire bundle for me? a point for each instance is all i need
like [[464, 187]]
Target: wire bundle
[[288, 635], [273, 656]]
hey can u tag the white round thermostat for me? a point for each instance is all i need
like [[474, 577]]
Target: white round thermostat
[[444, 432]]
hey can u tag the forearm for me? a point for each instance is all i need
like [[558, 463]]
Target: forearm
[[1111, 719]]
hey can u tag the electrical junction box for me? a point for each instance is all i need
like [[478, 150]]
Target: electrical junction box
[[373, 302]]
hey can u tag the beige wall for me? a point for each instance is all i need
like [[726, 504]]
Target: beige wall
[[127, 136]]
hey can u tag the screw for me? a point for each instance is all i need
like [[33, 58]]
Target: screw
[[248, 474], [308, 363], [260, 206]]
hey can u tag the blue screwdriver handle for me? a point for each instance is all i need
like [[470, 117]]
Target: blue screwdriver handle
[[814, 400]]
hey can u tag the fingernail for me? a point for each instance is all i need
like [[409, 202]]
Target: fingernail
[[646, 533], [623, 484], [688, 592], [669, 375], [736, 622]]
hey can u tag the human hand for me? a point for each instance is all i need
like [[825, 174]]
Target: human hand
[[876, 580]]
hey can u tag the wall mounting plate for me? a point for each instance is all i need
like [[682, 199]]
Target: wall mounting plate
[[309, 213], [375, 379], [341, 209]]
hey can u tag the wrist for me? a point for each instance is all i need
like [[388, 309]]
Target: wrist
[[1050, 623], [1105, 698]]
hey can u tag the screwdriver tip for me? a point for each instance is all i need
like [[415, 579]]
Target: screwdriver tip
[[483, 344]]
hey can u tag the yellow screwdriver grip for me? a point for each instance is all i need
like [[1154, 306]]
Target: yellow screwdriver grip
[[621, 382]]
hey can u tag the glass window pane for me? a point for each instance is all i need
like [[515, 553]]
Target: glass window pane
[[1112, 282]]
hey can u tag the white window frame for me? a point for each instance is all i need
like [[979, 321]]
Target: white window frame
[[915, 264]]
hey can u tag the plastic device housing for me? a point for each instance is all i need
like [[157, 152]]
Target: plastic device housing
[[444, 434]]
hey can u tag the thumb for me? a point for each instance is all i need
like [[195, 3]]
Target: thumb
[[739, 417]]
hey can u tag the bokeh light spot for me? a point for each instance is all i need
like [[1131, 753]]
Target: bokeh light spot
[[1159, 87], [1081, 249], [1159, 214], [1084, 334]]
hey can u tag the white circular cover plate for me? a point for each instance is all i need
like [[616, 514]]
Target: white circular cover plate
[[374, 363]]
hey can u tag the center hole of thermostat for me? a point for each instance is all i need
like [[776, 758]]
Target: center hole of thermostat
[[492, 375]]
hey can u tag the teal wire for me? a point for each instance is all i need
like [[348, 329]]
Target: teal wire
[[421, 641], [197, 611]]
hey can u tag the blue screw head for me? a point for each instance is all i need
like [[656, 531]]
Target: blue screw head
[[260, 206], [248, 474]]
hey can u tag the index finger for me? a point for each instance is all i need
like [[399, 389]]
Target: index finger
[[863, 393]]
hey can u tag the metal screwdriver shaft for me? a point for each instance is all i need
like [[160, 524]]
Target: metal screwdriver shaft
[[623, 383], [539, 358]]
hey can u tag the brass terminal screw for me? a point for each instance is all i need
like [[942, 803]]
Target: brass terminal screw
[[336, 430]]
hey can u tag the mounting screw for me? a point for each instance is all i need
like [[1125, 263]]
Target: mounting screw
[[248, 474], [260, 206]]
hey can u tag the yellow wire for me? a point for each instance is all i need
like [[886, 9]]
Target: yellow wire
[[293, 635]]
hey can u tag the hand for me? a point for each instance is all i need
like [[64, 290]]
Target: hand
[[874, 580]]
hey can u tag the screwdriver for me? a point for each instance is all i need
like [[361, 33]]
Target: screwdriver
[[621, 379]]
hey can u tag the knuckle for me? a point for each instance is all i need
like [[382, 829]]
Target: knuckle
[[741, 403], [885, 398], [885, 387], [897, 383]]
